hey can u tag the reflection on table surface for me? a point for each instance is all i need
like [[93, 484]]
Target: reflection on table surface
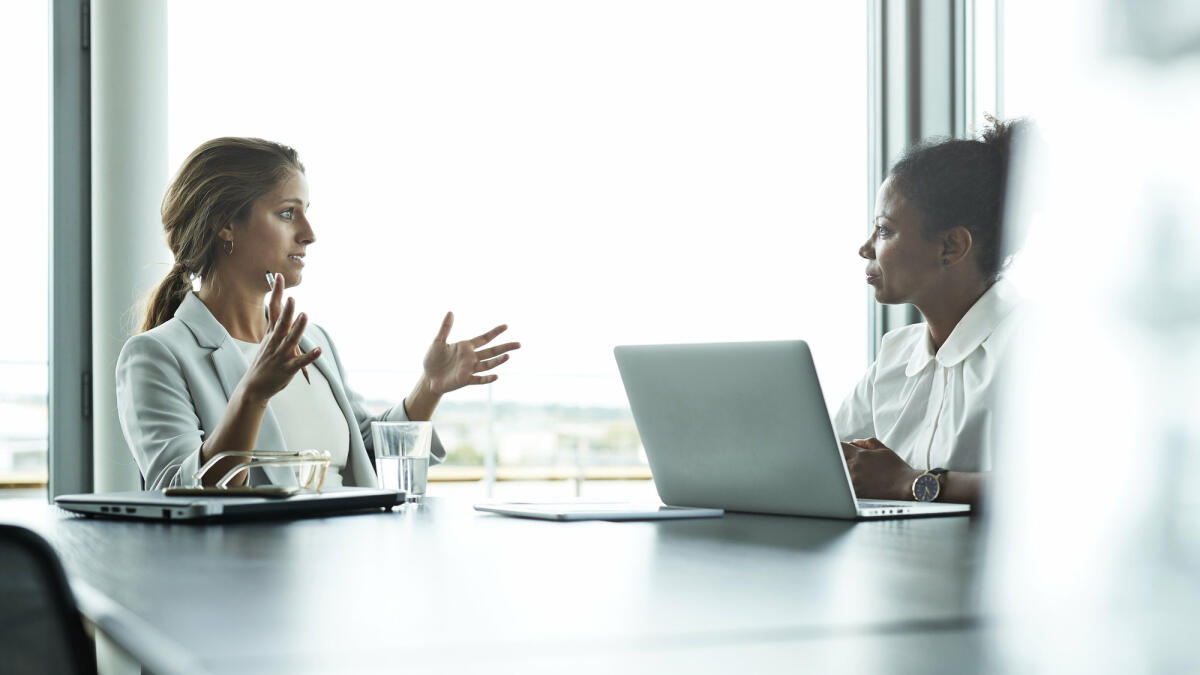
[[423, 580]]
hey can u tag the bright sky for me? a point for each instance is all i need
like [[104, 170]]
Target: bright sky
[[24, 177], [592, 174]]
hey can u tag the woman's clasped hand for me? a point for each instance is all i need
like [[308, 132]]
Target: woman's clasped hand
[[876, 471]]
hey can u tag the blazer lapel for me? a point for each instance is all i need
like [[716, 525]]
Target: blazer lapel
[[358, 463], [230, 367], [335, 378]]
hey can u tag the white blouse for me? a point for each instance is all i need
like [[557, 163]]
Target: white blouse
[[309, 417], [936, 410]]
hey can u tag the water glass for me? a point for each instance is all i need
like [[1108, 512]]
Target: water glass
[[402, 456]]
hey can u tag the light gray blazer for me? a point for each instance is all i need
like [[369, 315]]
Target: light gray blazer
[[174, 382]]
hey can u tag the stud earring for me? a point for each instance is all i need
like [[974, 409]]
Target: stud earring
[[945, 261]]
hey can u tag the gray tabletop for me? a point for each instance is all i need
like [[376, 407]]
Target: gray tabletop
[[441, 588]]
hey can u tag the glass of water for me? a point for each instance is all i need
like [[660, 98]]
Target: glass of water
[[402, 456]]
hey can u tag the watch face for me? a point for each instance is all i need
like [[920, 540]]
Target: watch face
[[925, 488]]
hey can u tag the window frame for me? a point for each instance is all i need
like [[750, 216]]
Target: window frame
[[69, 447], [921, 83]]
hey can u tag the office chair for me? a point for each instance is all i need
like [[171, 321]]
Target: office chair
[[41, 629]]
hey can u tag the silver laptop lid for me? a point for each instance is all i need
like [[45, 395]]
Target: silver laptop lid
[[740, 426], [153, 505]]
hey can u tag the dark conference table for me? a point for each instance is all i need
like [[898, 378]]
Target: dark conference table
[[442, 588]]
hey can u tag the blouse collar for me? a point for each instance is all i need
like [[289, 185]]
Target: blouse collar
[[996, 303]]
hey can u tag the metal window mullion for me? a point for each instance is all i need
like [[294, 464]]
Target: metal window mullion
[[963, 62], [876, 145], [918, 51], [69, 456], [999, 27]]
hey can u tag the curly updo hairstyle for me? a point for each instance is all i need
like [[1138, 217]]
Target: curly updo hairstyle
[[957, 182]]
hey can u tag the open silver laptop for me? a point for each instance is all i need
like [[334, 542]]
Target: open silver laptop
[[157, 506], [743, 427]]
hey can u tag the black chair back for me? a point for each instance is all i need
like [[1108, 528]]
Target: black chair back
[[41, 629]]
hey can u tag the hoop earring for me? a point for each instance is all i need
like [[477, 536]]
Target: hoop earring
[[229, 247]]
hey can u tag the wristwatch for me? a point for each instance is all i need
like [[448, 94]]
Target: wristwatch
[[928, 486]]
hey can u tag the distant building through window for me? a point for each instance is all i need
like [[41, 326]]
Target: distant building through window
[[24, 276]]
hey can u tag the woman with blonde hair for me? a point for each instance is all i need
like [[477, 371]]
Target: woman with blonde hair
[[214, 370]]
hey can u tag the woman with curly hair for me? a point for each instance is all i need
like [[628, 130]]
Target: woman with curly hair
[[919, 425]]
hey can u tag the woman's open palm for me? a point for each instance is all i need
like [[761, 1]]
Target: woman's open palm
[[450, 366], [279, 357]]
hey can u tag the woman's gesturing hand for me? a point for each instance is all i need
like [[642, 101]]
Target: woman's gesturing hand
[[279, 357], [877, 472], [453, 366]]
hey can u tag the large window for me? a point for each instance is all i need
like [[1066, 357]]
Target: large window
[[1015, 60], [1016, 63], [24, 173], [592, 174]]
